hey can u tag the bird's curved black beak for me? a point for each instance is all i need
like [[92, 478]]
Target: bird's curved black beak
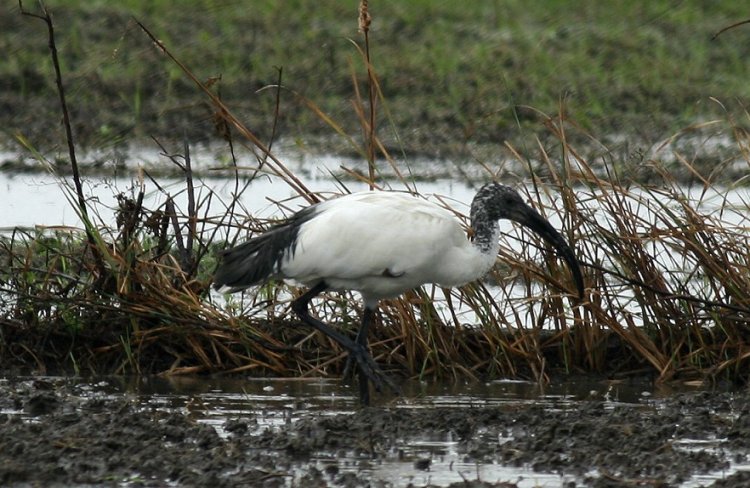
[[528, 217]]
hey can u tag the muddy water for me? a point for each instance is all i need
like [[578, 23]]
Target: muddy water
[[239, 432], [429, 459]]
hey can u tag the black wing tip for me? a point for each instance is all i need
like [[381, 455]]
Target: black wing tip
[[230, 278], [226, 289]]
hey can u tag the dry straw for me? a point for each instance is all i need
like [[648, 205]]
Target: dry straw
[[668, 281]]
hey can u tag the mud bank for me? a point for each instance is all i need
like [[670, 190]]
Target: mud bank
[[54, 433]]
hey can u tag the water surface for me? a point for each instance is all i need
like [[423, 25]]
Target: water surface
[[437, 460]]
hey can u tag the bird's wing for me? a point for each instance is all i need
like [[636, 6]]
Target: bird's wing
[[373, 234]]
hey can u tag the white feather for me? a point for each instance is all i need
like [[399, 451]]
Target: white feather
[[383, 243]]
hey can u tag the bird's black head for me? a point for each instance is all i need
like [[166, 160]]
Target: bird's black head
[[495, 201], [498, 201]]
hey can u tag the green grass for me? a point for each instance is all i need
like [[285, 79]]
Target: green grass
[[451, 72]]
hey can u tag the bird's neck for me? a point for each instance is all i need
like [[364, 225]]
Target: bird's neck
[[486, 232]]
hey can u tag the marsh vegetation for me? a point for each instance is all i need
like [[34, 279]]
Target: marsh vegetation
[[665, 253]]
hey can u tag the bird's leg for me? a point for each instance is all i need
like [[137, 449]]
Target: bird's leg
[[361, 339], [367, 315], [368, 369]]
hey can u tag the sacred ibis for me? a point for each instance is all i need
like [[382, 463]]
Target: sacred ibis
[[381, 244]]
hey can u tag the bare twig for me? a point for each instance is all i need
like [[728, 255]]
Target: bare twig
[[46, 17], [364, 26], [274, 163], [729, 27]]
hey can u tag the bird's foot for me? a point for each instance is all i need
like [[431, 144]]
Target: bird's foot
[[369, 369]]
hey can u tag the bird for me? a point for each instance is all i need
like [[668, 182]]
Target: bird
[[381, 244]]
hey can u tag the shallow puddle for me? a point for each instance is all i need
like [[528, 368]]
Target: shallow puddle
[[432, 459]]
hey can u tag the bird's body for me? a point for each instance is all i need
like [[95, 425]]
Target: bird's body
[[380, 244], [377, 243]]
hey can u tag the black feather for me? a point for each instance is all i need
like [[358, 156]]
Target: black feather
[[259, 259]]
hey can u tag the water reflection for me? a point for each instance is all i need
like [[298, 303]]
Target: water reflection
[[435, 459], [315, 391], [273, 402]]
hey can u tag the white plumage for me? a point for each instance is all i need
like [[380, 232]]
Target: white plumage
[[381, 244]]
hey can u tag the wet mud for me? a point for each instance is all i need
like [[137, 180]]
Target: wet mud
[[54, 433]]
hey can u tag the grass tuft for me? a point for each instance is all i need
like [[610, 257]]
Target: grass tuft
[[666, 267]]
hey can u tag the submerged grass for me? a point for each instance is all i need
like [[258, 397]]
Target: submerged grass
[[666, 268]]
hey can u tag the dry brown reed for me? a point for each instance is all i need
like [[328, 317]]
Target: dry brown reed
[[666, 268]]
